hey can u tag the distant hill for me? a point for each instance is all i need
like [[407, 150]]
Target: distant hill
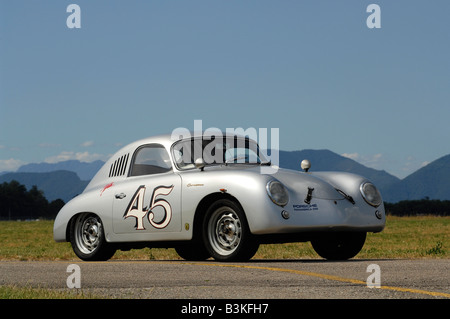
[[55, 185], [325, 160], [83, 169], [431, 181]]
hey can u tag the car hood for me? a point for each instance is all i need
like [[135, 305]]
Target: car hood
[[297, 182], [300, 182]]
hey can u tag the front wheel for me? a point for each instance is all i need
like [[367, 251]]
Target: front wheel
[[339, 245], [88, 239], [226, 233]]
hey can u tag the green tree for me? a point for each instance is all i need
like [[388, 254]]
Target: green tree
[[18, 203]]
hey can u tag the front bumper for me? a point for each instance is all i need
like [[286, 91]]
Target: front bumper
[[319, 215]]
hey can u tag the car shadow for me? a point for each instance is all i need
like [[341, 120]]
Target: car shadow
[[260, 261], [285, 261]]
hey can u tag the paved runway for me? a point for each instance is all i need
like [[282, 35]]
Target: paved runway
[[258, 279]]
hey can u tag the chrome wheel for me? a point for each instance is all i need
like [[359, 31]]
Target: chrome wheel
[[88, 239], [226, 233], [88, 232], [224, 230]]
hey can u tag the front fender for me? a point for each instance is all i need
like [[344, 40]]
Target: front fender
[[246, 187]]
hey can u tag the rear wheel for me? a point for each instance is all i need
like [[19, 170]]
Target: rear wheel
[[339, 245], [88, 239], [226, 233]]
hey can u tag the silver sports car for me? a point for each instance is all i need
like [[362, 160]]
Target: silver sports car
[[216, 196]]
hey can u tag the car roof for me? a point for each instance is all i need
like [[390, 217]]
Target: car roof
[[168, 140], [115, 166]]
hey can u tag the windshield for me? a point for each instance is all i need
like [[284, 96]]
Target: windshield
[[216, 151]]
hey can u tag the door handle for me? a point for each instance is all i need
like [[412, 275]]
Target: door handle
[[120, 196]]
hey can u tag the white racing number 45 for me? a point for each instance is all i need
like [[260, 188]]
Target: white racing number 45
[[136, 207]]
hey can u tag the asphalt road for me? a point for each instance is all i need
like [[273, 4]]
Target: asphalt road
[[258, 279]]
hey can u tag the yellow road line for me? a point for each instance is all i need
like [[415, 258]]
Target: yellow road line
[[329, 277]]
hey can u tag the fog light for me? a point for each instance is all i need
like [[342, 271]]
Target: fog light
[[285, 214]]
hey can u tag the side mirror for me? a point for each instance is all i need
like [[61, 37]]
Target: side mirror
[[306, 165], [199, 163]]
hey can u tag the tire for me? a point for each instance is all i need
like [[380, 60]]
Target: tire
[[226, 234], [339, 245], [88, 239], [194, 251]]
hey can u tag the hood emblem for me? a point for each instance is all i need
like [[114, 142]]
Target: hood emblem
[[309, 195]]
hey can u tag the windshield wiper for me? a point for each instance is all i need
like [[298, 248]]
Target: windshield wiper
[[230, 160]]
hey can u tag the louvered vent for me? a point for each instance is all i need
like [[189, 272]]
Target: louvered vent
[[119, 166]]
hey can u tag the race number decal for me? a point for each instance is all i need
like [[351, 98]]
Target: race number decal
[[135, 207]]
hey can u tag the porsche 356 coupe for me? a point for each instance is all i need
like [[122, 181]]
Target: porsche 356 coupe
[[210, 197]]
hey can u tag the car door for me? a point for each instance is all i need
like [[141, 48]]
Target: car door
[[147, 203]]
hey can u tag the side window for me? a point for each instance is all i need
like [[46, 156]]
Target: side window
[[150, 159]]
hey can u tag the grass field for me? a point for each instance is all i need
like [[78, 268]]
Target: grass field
[[403, 237]]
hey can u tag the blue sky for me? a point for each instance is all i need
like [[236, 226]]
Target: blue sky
[[312, 69]]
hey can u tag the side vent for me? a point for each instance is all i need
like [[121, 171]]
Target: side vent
[[119, 166]]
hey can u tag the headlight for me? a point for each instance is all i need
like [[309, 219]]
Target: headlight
[[277, 193], [371, 194]]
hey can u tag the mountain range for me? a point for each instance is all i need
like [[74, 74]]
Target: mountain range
[[66, 179], [431, 181]]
